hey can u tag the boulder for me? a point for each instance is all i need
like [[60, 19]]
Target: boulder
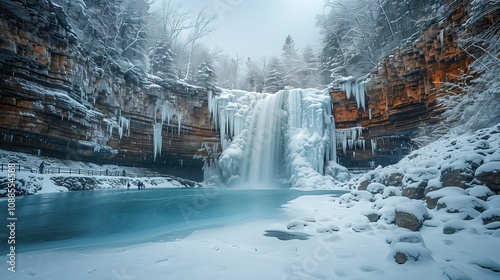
[[361, 195], [415, 181], [407, 237], [458, 175], [370, 177], [433, 185], [411, 215], [461, 203], [375, 188], [394, 178], [371, 214], [453, 226], [391, 191], [481, 192], [433, 197], [491, 215], [489, 174], [403, 252]]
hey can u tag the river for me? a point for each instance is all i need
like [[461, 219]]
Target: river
[[123, 217]]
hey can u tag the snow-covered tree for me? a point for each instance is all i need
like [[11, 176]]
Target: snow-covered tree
[[307, 71], [206, 76], [275, 80], [162, 62], [290, 62], [476, 104], [256, 74]]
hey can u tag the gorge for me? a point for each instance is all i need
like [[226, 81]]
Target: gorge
[[58, 101]]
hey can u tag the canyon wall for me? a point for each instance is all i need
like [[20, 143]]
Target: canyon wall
[[402, 90], [55, 102]]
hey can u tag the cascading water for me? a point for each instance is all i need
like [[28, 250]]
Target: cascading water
[[288, 136], [264, 145]]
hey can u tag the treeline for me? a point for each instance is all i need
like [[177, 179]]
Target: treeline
[[357, 34], [132, 38]]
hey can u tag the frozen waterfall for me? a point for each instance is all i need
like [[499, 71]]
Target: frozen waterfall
[[288, 136]]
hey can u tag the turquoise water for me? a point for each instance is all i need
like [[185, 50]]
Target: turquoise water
[[118, 217]]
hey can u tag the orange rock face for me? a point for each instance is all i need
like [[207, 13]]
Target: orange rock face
[[55, 103], [402, 90]]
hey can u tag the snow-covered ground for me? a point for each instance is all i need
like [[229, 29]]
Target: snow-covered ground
[[363, 234], [327, 240], [29, 181]]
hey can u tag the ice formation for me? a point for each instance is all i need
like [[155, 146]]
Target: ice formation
[[157, 139], [267, 137], [357, 89], [123, 125], [167, 110], [350, 138]]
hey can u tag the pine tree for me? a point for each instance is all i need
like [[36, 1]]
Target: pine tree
[[162, 63], [275, 79], [307, 73], [289, 50], [332, 59], [206, 76], [290, 63]]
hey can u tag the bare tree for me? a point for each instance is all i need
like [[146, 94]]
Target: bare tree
[[202, 26]]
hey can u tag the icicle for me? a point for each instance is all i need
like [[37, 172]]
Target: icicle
[[179, 118], [441, 35], [123, 125], [157, 139], [346, 86], [370, 113], [210, 109], [374, 146]]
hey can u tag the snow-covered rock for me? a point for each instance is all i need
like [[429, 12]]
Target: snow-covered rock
[[403, 252], [415, 181], [391, 191], [407, 237], [361, 195], [481, 192], [360, 226], [489, 174], [375, 188], [461, 203], [491, 215], [432, 185], [432, 198], [456, 174], [393, 177], [371, 214], [454, 226], [411, 215]]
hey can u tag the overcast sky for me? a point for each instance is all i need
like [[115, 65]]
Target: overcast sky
[[259, 27]]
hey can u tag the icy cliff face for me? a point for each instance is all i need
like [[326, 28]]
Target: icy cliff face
[[288, 136], [71, 87]]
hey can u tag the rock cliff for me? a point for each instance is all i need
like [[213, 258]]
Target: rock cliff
[[402, 90], [55, 101]]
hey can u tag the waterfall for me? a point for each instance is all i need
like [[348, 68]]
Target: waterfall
[[288, 136], [264, 145]]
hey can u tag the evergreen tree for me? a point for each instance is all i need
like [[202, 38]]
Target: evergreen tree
[[332, 59], [275, 79], [206, 76], [308, 69], [290, 63], [289, 50], [162, 63]]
